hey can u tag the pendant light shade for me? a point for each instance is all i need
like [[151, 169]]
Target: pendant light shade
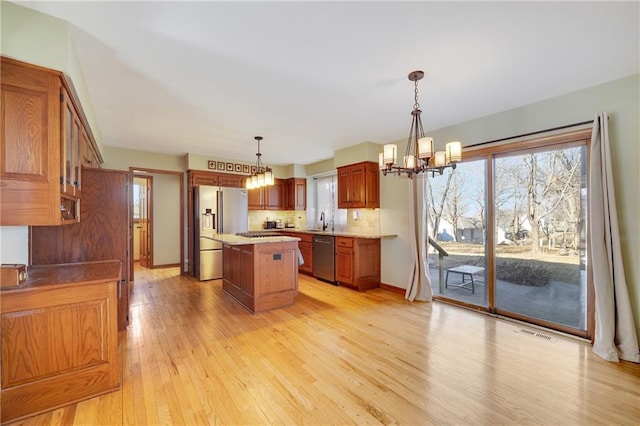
[[263, 176]]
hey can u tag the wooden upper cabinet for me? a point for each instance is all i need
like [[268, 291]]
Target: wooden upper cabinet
[[90, 157], [70, 146], [255, 198], [359, 186], [296, 194], [40, 146], [274, 195]]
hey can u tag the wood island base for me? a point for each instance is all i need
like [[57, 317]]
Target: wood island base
[[261, 276]]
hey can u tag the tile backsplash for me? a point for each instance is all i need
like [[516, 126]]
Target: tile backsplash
[[296, 217], [361, 221]]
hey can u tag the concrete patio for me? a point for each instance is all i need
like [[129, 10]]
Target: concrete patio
[[557, 302]]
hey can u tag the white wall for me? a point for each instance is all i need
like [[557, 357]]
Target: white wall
[[14, 244], [41, 39], [166, 219]]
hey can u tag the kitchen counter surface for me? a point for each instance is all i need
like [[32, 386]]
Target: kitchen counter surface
[[337, 233], [69, 274], [233, 239]]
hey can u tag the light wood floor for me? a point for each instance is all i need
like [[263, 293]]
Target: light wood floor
[[194, 356]]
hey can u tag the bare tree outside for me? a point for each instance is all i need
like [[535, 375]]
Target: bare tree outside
[[436, 208], [457, 201]]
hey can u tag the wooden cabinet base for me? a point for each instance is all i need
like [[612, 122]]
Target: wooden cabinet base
[[59, 338], [261, 276], [56, 392], [358, 262]]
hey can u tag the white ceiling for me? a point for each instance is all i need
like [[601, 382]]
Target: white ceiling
[[313, 77]]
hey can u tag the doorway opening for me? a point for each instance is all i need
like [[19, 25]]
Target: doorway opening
[[157, 218], [142, 220]]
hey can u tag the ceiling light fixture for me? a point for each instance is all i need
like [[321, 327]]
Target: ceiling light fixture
[[263, 176], [419, 156]]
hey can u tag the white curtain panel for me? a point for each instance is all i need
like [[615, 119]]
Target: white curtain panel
[[615, 334], [419, 286]]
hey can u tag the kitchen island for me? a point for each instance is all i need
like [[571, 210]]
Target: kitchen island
[[261, 272]]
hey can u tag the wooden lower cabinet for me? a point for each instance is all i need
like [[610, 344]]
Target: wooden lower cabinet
[[237, 270], [306, 250], [358, 262], [261, 276], [59, 338]]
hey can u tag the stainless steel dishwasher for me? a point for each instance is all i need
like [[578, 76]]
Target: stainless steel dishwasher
[[324, 258]]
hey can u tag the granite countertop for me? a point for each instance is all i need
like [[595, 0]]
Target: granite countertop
[[233, 239], [338, 233]]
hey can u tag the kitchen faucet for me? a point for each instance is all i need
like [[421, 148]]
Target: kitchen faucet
[[324, 225]]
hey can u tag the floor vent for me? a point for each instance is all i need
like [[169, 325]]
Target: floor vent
[[536, 334]]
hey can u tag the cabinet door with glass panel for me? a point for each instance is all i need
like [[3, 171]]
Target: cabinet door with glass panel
[[70, 149]]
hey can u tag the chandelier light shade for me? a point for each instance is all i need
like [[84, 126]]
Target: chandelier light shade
[[420, 156], [263, 176]]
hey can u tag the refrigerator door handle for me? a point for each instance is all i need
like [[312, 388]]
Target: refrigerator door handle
[[220, 202]]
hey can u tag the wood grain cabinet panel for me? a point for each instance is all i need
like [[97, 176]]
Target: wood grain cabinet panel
[[306, 249], [274, 195], [305, 245], [261, 276], [284, 194], [359, 186], [270, 197], [358, 262], [227, 180], [295, 194], [102, 234], [255, 199], [59, 338], [41, 144]]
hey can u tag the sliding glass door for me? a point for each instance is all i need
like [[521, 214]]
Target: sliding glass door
[[507, 232], [540, 262], [457, 225]]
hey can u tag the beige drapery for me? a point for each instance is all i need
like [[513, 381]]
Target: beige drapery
[[419, 286], [615, 334]]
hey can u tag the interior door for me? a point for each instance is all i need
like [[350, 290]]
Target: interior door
[[142, 215]]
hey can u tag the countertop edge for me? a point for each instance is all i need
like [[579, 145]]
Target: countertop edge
[[69, 274], [339, 234], [232, 239]]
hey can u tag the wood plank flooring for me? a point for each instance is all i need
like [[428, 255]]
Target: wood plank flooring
[[194, 356]]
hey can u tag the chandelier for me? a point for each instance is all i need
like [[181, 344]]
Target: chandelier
[[263, 176], [419, 156]]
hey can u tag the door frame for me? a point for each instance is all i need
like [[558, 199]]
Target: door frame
[[142, 171]]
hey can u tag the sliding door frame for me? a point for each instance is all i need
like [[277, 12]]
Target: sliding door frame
[[506, 149]]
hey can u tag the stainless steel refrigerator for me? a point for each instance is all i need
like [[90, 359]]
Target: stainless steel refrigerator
[[217, 211]]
